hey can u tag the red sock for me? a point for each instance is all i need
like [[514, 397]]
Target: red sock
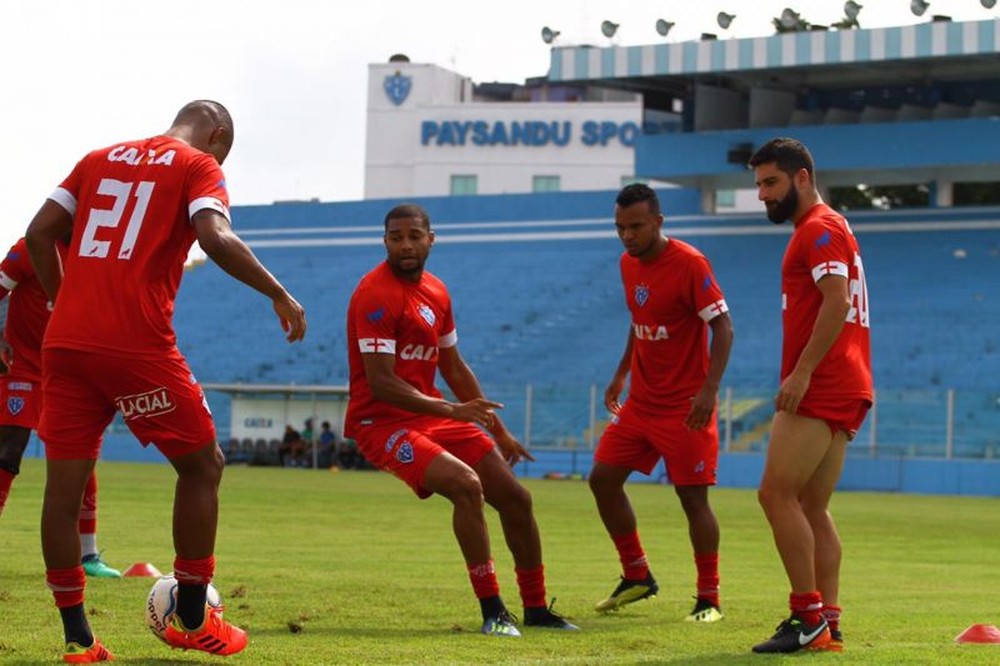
[[808, 606], [88, 509], [708, 576], [531, 583], [194, 572], [66, 585], [484, 579], [6, 478], [832, 615], [631, 555]]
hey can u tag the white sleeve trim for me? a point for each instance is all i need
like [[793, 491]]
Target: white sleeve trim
[[376, 346], [449, 340], [829, 268], [714, 310], [64, 198], [7, 282], [202, 203]]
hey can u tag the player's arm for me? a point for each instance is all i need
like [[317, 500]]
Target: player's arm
[[231, 254], [463, 383], [703, 404], [617, 384], [829, 322], [50, 223]]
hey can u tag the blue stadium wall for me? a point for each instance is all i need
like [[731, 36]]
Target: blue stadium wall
[[534, 279]]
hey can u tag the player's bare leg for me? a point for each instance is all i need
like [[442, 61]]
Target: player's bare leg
[[703, 530], [64, 485], [797, 447], [450, 477], [13, 442], [458, 483], [607, 483], [196, 515], [513, 503], [815, 499]]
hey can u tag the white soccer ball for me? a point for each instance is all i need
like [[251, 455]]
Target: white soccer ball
[[162, 602]]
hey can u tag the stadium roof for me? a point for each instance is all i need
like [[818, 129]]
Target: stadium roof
[[915, 54]]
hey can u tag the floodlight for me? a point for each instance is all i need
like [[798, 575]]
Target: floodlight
[[608, 29], [988, 4], [851, 10], [724, 20], [663, 26], [918, 7], [790, 18], [549, 35]]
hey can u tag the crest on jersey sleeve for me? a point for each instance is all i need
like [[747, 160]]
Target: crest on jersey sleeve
[[405, 453], [397, 87], [641, 294], [427, 314], [15, 405]]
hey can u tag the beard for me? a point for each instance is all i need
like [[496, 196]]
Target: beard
[[782, 210]]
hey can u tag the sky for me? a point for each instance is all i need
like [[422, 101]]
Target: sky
[[80, 74]]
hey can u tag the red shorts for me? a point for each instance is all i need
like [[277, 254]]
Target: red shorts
[[160, 400], [845, 414], [637, 440], [21, 402], [406, 448]]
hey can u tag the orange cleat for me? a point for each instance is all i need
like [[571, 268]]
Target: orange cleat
[[215, 635], [77, 654]]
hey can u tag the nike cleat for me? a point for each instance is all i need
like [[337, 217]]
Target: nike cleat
[[627, 592], [95, 567], [215, 635], [794, 634], [704, 611], [836, 643], [77, 654], [547, 618], [502, 624]]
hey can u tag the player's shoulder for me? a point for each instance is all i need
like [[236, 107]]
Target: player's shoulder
[[685, 249], [378, 280], [821, 225]]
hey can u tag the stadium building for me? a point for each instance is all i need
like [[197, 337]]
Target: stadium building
[[522, 207]]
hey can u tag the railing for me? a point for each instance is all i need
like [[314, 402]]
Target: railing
[[943, 423]]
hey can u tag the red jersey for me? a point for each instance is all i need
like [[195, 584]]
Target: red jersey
[[672, 299], [27, 312], [132, 205], [823, 244], [410, 320]]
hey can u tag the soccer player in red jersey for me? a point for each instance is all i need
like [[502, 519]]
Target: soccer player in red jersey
[[400, 333], [21, 391], [670, 412], [134, 209], [825, 393]]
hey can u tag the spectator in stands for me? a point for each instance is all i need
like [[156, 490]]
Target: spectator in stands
[[292, 446], [401, 331], [134, 209], [348, 455], [21, 388], [670, 414], [327, 445], [825, 391]]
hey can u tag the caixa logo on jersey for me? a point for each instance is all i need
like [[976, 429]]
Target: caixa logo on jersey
[[397, 88], [145, 405]]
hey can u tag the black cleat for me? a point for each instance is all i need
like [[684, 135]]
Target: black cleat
[[794, 634], [548, 618], [629, 591]]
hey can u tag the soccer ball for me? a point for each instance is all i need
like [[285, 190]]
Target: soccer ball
[[162, 602]]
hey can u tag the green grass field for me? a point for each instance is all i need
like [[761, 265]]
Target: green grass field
[[350, 568]]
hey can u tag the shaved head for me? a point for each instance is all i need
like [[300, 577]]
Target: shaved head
[[207, 126]]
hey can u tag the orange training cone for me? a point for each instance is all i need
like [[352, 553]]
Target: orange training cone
[[979, 633], [144, 569]]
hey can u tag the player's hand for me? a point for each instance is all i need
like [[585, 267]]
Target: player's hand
[[612, 393], [511, 449], [791, 392], [292, 317], [702, 408], [6, 356], [477, 410]]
